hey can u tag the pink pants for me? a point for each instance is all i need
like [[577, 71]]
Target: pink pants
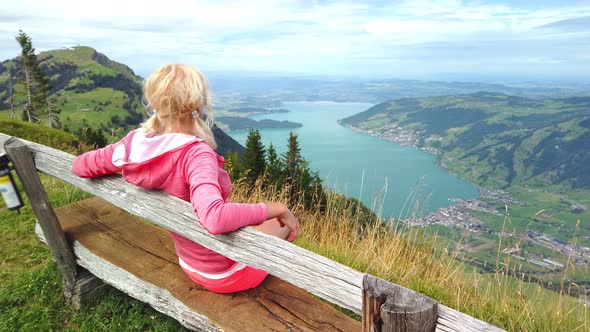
[[241, 280]]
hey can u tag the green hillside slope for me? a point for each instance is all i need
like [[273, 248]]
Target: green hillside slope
[[91, 91], [89, 88], [538, 151], [493, 139]]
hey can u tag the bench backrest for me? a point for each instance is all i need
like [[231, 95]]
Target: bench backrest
[[314, 273]]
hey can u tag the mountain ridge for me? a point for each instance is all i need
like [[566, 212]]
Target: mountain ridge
[[493, 134]]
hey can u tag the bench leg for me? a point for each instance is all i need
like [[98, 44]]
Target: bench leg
[[87, 290]]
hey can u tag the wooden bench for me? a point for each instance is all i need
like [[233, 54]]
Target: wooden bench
[[139, 259], [95, 238]]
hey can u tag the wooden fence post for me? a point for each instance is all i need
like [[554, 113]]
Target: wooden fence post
[[389, 307], [75, 286]]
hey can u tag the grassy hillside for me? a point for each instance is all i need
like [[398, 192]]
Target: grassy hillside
[[33, 132], [497, 140], [89, 89], [537, 150], [31, 299]]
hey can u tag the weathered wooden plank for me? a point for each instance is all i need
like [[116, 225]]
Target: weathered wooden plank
[[458, 321], [159, 298], [391, 307], [147, 252], [321, 276], [22, 160], [371, 312], [442, 328]]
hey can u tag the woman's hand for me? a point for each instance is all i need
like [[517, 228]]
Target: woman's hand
[[289, 220], [285, 217]]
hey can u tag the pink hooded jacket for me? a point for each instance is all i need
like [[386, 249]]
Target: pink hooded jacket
[[186, 167]]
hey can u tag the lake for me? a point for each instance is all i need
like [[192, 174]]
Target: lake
[[393, 180]]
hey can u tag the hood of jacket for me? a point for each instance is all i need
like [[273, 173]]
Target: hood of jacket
[[147, 160]]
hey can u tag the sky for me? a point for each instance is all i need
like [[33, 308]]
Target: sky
[[449, 39]]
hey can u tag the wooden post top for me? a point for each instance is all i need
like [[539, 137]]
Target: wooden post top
[[391, 307]]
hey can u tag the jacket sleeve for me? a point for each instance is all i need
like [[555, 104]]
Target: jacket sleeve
[[95, 163], [216, 215]]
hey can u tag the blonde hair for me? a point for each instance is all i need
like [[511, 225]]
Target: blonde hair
[[175, 92]]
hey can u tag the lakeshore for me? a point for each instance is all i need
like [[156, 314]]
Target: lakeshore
[[461, 214], [387, 178]]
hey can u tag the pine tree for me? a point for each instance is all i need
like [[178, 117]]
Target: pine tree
[[100, 141], [53, 111], [94, 138], [29, 59], [304, 184], [274, 168], [11, 98], [293, 164], [292, 158], [253, 162], [232, 165], [36, 83]]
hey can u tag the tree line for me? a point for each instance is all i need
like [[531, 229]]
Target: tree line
[[288, 171]]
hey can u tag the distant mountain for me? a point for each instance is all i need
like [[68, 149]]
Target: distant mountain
[[491, 138], [256, 110], [238, 123], [91, 90], [270, 91]]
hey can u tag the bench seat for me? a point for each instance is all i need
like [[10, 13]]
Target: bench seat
[[139, 259]]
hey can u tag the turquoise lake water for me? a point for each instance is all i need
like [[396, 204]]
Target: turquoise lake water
[[393, 180]]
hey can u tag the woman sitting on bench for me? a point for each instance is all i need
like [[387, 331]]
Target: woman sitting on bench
[[174, 152]]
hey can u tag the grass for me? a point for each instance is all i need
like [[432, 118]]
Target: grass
[[413, 260], [87, 109], [30, 286], [35, 133]]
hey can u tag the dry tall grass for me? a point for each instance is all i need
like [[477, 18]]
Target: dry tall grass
[[413, 260]]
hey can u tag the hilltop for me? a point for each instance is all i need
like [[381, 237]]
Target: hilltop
[[93, 91], [89, 88]]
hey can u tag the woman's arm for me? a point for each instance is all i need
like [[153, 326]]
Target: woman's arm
[[95, 163], [213, 212]]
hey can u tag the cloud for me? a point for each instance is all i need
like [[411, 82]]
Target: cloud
[[578, 24], [320, 37]]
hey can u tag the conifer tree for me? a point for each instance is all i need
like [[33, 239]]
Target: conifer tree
[[29, 60], [293, 164], [94, 138], [36, 83], [11, 94], [53, 111], [274, 168], [304, 184], [232, 165], [253, 161], [292, 158]]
